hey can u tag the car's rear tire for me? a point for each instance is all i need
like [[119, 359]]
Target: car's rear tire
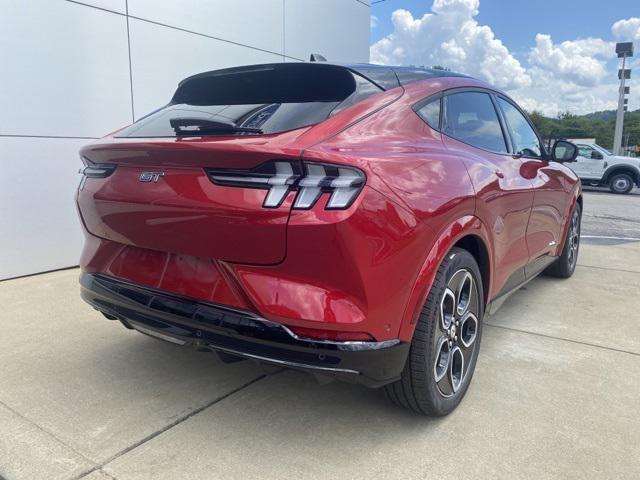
[[567, 261], [621, 183], [444, 349]]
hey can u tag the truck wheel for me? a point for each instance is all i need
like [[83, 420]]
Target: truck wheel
[[445, 345], [621, 183]]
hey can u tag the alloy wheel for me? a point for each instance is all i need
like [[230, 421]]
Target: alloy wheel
[[455, 338], [574, 239]]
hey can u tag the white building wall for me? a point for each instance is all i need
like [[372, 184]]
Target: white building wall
[[73, 71]]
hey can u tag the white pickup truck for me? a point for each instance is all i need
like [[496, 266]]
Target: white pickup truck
[[597, 166]]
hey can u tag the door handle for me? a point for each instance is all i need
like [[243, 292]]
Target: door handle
[[498, 173]]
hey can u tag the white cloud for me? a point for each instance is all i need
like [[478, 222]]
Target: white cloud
[[450, 36], [582, 62], [373, 22], [576, 75], [627, 29]]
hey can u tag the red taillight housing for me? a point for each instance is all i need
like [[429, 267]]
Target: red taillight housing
[[331, 335]]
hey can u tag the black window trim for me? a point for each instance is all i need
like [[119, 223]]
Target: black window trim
[[503, 124]]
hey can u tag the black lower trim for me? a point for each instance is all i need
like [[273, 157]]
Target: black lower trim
[[203, 325], [532, 271]]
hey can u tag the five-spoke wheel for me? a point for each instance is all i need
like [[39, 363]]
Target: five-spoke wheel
[[565, 264], [446, 342], [457, 332], [574, 239]]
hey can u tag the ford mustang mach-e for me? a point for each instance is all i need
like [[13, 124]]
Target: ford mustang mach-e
[[353, 221]]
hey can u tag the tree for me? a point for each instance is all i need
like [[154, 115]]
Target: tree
[[598, 125]]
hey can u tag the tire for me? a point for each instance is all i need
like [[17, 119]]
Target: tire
[[419, 388], [621, 183], [567, 261]]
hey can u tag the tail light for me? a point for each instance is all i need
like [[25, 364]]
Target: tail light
[[98, 170], [94, 170], [309, 179]]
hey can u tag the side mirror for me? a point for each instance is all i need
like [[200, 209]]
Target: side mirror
[[596, 156], [564, 152]]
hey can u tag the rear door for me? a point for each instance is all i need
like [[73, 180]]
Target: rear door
[[504, 195]]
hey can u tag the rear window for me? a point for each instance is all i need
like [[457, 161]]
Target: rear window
[[255, 100]]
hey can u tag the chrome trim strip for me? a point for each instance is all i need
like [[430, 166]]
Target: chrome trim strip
[[352, 345]]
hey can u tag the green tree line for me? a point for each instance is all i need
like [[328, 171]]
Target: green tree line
[[598, 125]]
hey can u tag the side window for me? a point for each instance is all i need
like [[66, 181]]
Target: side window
[[585, 151], [525, 140], [471, 118], [430, 113]]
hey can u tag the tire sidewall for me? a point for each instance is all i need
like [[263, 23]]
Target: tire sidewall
[[566, 269], [618, 176], [455, 260]]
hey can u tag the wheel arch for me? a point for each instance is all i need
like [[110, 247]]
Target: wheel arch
[[467, 232], [473, 244], [617, 169], [576, 198]]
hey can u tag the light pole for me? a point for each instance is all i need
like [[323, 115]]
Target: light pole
[[624, 50]]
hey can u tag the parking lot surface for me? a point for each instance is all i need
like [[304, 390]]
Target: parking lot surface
[[555, 393]]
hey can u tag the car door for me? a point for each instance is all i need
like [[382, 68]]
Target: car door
[[589, 163], [552, 185], [473, 132]]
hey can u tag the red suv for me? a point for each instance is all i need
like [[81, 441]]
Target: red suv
[[355, 221]]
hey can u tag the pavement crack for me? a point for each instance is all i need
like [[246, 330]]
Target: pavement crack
[[169, 426], [562, 339], [612, 217], [46, 432], [609, 269], [108, 475]]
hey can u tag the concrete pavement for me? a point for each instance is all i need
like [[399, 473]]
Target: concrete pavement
[[555, 395], [607, 214]]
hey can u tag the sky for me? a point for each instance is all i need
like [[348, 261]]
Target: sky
[[551, 56]]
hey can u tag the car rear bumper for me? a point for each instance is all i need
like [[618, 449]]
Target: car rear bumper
[[202, 325]]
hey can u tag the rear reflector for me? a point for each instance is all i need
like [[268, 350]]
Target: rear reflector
[[310, 180], [332, 335]]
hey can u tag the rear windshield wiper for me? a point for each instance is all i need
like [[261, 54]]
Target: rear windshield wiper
[[182, 127]]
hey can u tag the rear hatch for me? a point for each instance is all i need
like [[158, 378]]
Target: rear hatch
[[153, 184]]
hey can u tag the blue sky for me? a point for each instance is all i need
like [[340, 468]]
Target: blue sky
[[534, 39]]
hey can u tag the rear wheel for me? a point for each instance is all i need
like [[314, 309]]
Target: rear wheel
[[567, 261], [446, 341], [621, 183]]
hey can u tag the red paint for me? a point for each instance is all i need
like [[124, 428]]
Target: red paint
[[359, 273]]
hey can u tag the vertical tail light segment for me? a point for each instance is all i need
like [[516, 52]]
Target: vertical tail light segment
[[309, 179]]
